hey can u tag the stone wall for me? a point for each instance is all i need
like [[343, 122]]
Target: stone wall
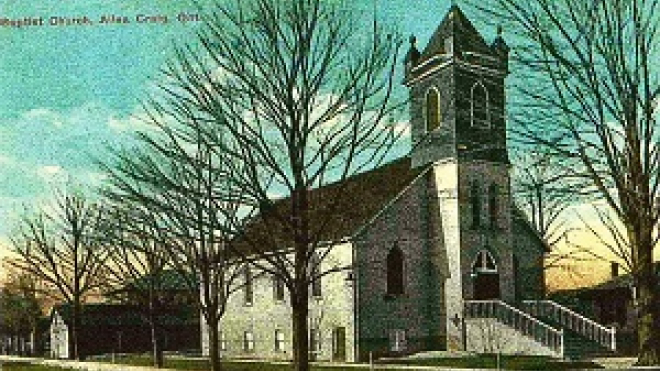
[[487, 335], [419, 312], [529, 253], [495, 237], [332, 310]]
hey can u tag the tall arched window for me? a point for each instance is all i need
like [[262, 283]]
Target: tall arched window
[[493, 205], [480, 114], [248, 290], [395, 271], [475, 203], [432, 110]]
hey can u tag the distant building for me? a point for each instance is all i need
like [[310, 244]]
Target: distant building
[[611, 302], [117, 328], [169, 287], [432, 245]]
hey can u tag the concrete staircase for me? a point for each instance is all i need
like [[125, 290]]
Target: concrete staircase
[[538, 327], [583, 337]]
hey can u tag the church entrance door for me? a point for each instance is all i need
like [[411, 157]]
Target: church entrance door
[[486, 278], [486, 286]]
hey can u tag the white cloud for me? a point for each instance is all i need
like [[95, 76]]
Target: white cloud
[[52, 173], [6, 160], [44, 115], [132, 123]]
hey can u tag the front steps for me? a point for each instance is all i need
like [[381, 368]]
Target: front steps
[[537, 328]]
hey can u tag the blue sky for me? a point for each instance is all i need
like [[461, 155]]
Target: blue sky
[[66, 92]]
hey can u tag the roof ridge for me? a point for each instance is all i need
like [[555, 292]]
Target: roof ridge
[[452, 24]]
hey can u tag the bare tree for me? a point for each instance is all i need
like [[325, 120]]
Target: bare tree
[[61, 248], [178, 184], [286, 97], [22, 306], [543, 190], [137, 268], [295, 97], [594, 102]]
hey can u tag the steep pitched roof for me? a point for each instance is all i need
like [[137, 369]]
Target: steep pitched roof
[[457, 26], [338, 210], [167, 280], [102, 315]]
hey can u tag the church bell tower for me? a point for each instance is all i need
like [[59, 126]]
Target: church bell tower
[[458, 126], [457, 98]]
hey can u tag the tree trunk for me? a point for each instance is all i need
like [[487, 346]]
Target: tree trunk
[[157, 347], [648, 303], [300, 309], [75, 354], [214, 348]]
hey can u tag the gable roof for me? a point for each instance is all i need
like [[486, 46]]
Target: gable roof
[[619, 285], [102, 315], [522, 220], [457, 26], [338, 210]]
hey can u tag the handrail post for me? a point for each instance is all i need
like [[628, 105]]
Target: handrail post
[[613, 346], [561, 343]]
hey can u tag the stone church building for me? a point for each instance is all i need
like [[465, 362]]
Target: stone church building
[[429, 232]]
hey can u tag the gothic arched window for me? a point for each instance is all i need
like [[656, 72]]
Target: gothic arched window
[[432, 110], [493, 206], [315, 263], [395, 271], [479, 109], [484, 263], [475, 203]]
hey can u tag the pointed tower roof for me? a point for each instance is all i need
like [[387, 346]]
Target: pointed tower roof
[[463, 34], [413, 54], [499, 44]]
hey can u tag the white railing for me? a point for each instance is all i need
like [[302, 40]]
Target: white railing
[[571, 320], [517, 319]]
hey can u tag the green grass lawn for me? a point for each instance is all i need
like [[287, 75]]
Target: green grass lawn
[[27, 367], [518, 362], [477, 361]]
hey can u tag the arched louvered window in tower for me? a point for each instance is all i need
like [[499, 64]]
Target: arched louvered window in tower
[[395, 271], [432, 110], [479, 107]]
